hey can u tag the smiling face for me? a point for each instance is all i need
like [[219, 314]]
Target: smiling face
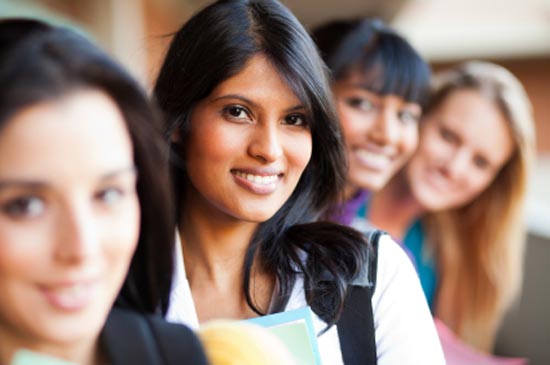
[[464, 142], [248, 144], [381, 133], [69, 220]]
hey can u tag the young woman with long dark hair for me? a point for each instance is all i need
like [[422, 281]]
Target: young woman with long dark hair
[[257, 158]]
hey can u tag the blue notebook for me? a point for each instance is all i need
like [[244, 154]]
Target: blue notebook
[[295, 329]]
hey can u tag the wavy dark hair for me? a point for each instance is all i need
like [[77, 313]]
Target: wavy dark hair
[[214, 45], [385, 60], [41, 63]]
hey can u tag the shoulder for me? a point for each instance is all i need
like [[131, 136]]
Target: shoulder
[[395, 272], [147, 337], [392, 259], [388, 265], [164, 329], [405, 331]]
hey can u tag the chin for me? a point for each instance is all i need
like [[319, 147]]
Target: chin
[[371, 182], [435, 203]]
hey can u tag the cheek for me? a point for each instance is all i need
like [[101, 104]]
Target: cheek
[[123, 234], [20, 266], [353, 123], [299, 151], [409, 141], [214, 144], [431, 148], [22, 249], [478, 184], [134, 225]]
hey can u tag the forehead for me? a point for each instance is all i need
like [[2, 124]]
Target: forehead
[[258, 80], [83, 128], [478, 121]]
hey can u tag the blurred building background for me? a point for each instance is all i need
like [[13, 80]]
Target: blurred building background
[[513, 33]]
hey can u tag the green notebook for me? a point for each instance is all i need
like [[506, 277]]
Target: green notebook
[[295, 329]]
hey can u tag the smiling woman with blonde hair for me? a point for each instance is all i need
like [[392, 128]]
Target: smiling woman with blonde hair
[[458, 204]]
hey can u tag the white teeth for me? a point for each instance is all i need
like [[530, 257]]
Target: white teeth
[[375, 159], [70, 291], [257, 179]]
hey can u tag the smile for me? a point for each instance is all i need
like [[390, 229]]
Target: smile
[[258, 179], [70, 297], [371, 160], [262, 184]]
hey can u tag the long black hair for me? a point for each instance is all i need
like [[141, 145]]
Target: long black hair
[[386, 62], [215, 45], [41, 63]]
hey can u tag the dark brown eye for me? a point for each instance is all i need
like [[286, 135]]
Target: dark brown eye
[[28, 206], [296, 119], [448, 135], [362, 104], [236, 111], [407, 116]]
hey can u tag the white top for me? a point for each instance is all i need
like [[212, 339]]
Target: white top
[[404, 329]]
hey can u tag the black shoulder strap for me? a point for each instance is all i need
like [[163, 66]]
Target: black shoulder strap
[[177, 343], [356, 323], [133, 338], [128, 340]]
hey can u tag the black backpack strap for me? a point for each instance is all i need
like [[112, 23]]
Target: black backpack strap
[[128, 340], [373, 238], [356, 323], [136, 339], [177, 343]]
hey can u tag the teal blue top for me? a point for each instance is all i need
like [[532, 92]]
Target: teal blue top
[[425, 263], [416, 248]]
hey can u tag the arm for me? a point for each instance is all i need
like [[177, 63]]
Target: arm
[[404, 328]]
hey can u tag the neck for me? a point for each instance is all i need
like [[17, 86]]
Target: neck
[[85, 352], [394, 208], [214, 247], [350, 191]]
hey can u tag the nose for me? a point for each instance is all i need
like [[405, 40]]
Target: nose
[[77, 236], [456, 165], [265, 144], [385, 130]]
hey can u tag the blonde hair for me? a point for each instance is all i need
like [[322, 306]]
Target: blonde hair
[[230, 342], [479, 246]]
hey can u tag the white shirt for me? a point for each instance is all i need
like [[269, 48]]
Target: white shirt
[[404, 329]]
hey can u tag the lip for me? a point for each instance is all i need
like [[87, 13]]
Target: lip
[[258, 181], [437, 181], [70, 296], [373, 159]]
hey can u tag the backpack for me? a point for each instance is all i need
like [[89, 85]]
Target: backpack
[[356, 323], [137, 339]]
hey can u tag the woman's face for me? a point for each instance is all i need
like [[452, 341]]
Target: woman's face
[[248, 144], [464, 142], [381, 132], [69, 219]]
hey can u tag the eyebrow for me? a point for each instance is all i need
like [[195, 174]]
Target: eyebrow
[[254, 104], [37, 184]]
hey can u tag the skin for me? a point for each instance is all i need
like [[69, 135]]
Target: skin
[[248, 146], [69, 224], [465, 142], [381, 133]]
